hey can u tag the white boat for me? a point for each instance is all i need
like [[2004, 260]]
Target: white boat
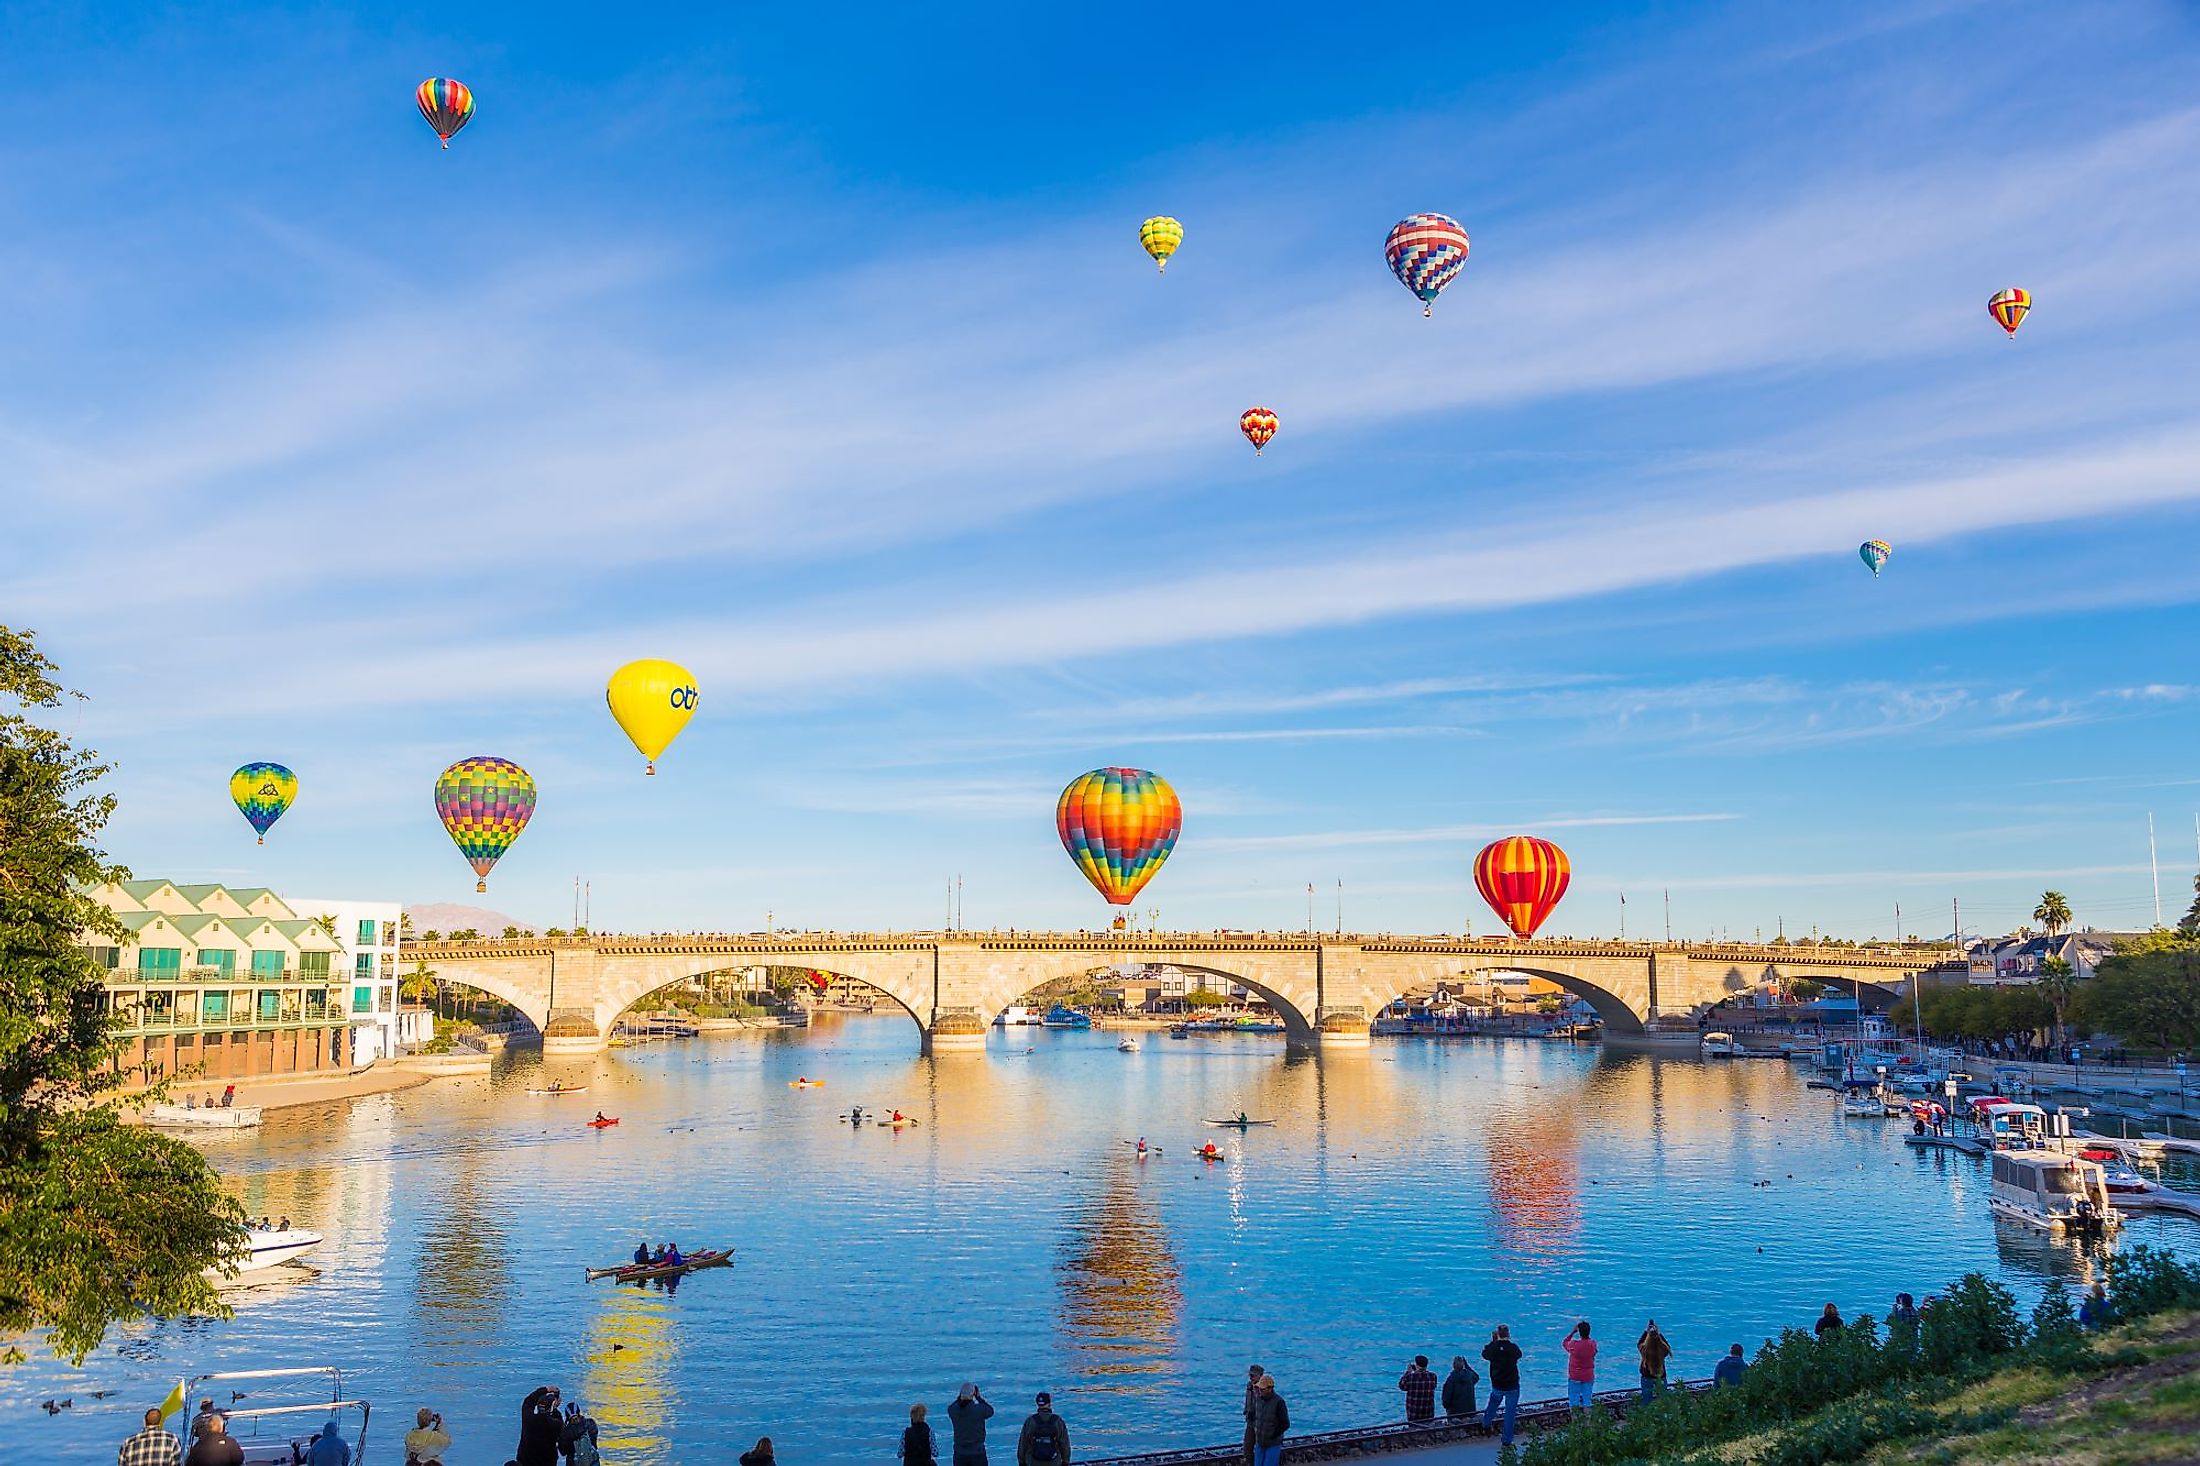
[[2060, 1194], [202, 1117], [268, 1247], [1127, 1046], [278, 1434], [1864, 1106], [1719, 1045], [1016, 1015]]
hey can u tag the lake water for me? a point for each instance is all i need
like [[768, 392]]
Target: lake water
[[1408, 1198]]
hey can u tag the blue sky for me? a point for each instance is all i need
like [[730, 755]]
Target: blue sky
[[817, 352]]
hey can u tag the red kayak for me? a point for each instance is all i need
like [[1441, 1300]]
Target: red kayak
[[600, 1124]]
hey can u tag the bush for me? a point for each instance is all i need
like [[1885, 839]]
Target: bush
[[1975, 1321], [2057, 1337], [2145, 1280], [1847, 1431]]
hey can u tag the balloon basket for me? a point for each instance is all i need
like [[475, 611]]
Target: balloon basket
[[650, 769], [261, 841], [481, 886]]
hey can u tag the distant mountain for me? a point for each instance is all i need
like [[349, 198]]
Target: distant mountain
[[445, 916]]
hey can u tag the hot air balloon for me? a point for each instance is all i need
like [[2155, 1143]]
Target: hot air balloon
[[1160, 235], [1426, 253], [1875, 553], [1259, 425], [653, 701], [1522, 878], [2009, 308], [1119, 825], [448, 105], [484, 802], [262, 792]]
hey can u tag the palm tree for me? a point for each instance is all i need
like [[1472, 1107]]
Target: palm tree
[[2058, 984], [2053, 912]]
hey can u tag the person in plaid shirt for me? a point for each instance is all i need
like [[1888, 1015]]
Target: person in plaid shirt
[[1419, 1383], [153, 1446]]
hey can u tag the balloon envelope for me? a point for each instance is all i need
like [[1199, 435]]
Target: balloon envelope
[[448, 105], [1426, 253], [1161, 235], [1259, 425], [652, 701], [484, 802], [1875, 553], [2010, 307], [262, 792], [1119, 825], [1522, 878]]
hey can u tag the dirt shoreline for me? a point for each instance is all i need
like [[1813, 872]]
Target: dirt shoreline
[[271, 1093]]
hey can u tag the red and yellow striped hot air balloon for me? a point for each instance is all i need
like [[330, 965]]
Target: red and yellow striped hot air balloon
[[2010, 307], [447, 104], [1522, 878], [1259, 425]]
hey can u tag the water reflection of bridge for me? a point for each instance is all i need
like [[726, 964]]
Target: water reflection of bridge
[[1325, 989]]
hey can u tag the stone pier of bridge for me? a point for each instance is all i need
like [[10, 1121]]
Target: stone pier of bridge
[[1327, 990]]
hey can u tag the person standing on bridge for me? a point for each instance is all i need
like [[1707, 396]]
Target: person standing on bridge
[[1581, 1367], [1419, 1383], [968, 1416], [1271, 1421], [1654, 1351], [1503, 1357]]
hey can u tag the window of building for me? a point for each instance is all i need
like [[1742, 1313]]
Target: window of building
[[363, 965], [290, 1005], [316, 1003], [389, 999], [366, 933], [313, 964], [107, 957], [271, 1005], [155, 1010], [267, 964], [221, 959], [187, 1008], [362, 1000], [158, 964], [216, 1006]]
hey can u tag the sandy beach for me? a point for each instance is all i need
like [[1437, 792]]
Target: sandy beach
[[272, 1093]]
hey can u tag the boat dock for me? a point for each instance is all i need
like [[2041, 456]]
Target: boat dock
[[1929, 1141]]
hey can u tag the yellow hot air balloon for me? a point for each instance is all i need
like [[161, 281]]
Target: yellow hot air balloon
[[653, 701], [1160, 235]]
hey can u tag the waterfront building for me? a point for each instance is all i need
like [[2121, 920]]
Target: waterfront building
[[2015, 960], [220, 982], [368, 932]]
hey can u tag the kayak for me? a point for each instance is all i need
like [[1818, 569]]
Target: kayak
[[1142, 1154], [1240, 1124], [603, 1124], [805, 1084], [562, 1089], [643, 1272], [897, 1124]]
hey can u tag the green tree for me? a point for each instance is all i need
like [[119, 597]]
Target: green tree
[[2058, 984], [2149, 998], [100, 1222], [2190, 926], [510, 933], [418, 985], [2053, 912]]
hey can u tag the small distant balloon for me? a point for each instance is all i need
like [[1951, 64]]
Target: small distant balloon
[[484, 803], [652, 701], [1875, 553], [1522, 878], [448, 105], [1259, 425], [1119, 825], [2009, 308], [1160, 235], [1426, 253], [262, 792]]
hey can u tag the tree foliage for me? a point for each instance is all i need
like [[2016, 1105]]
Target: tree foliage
[[2149, 998], [2053, 912], [100, 1222], [1984, 1013]]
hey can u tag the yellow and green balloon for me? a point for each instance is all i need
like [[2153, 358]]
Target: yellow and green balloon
[[653, 700], [484, 803], [262, 792]]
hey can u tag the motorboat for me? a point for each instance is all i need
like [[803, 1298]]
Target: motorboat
[[1718, 1045], [1060, 1016], [165, 1116], [278, 1434], [1128, 1045], [2130, 1190], [267, 1247], [2015, 1127], [2063, 1195], [1016, 1015], [1864, 1105]]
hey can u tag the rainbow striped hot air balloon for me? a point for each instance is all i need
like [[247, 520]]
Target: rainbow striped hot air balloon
[[448, 105], [262, 792], [1259, 425], [1522, 878], [485, 803], [1160, 236], [1426, 253], [1119, 825], [1875, 553], [2009, 308]]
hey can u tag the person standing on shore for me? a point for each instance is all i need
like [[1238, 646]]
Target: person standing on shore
[[426, 1442], [1581, 1367], [1253, 1372], [760, 1454], [1503, 1357], [1419, 1383], [967, 1417], [1654, 1351], [539, 1428], [916, 1440], [155, 1445], [1459, 1387], [1829, 1323], [577, 1438], [214, 1447], [1045, 1438], [1730, 1369], [1271, 1421]]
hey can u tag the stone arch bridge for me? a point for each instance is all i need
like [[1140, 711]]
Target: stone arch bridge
[[1326, 989]]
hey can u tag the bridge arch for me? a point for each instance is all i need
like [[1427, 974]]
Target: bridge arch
[[906, 983], [1298, 1024], [1612, 1010], [706, 968]]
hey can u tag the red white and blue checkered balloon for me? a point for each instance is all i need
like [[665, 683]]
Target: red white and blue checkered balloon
[[1426, 253]]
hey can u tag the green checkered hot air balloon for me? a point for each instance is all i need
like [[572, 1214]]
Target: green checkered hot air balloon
[[262, 792]]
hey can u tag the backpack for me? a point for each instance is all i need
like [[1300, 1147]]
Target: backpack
[[1046, 1444], [584, 1451]]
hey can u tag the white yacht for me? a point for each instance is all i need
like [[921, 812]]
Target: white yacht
[[1718, 1045], [268, 1247], [202, 1117], [1017, 1015], [278, 1433], [1129, 1045], [2059, 1194]]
